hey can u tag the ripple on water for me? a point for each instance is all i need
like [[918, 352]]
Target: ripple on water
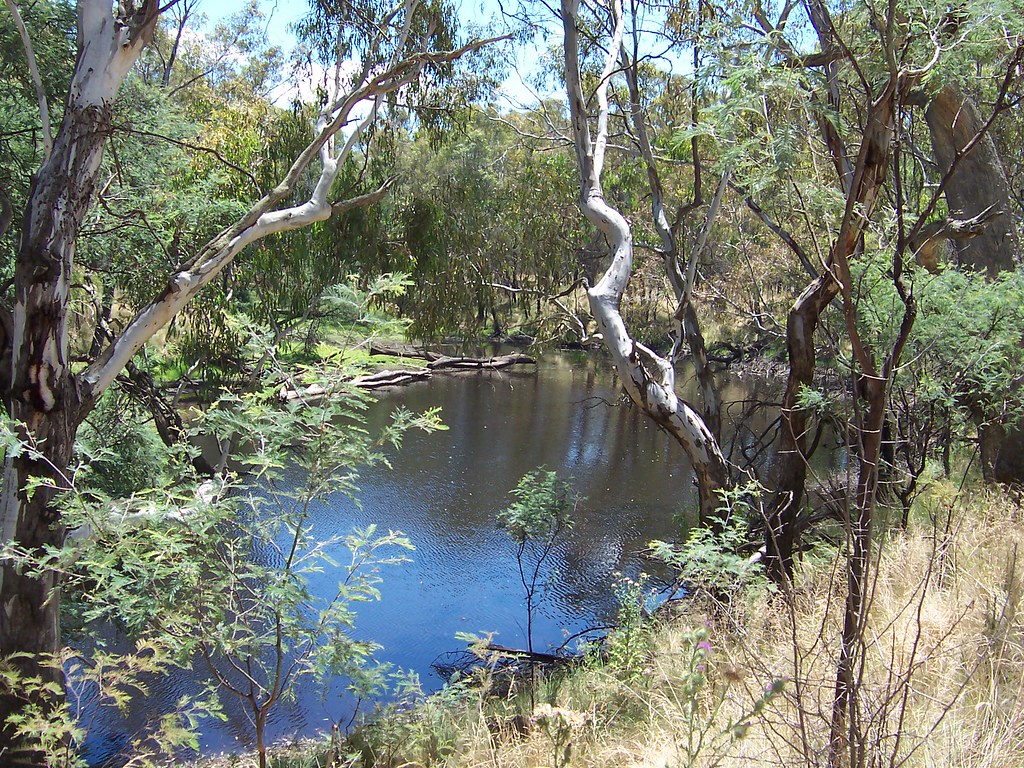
[[444, 491]]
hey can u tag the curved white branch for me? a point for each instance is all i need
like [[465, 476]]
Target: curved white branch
[[262, 219], [37, 81], [648, 378]]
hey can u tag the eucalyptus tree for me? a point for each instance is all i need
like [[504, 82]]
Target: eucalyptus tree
[[647, 377], [975, 186], [858, 91], [374, 53], [839, 213], [52, 26], [864, 83]]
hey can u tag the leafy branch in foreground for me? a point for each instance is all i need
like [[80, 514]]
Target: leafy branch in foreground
[[223, 573], [541, 513]]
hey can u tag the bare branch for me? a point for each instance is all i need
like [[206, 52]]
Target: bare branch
[[782, 234], [37, 80]]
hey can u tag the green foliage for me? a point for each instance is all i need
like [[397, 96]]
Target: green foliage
[[122, 454], [710, 560], [968, 342], [413, 727], [815, 401], [535, 521], [224, 575], [480, 212], [51, 26], [542, 508], [106, 680], [627, 647], [222, 571], [962, 364]]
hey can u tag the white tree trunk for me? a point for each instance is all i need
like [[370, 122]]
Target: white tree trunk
[[648, 378], [47, 400]]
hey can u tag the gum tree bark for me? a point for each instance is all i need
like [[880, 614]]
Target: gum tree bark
[[789, 477], [648, 378], [872, 389], [45, 398], [41, 395], [977, 184]]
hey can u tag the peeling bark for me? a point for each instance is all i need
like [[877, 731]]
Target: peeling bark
[[977, 190], [790, 474], [47, 400], [43, 398]]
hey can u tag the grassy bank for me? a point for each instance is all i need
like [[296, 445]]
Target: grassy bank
[[748, 679]]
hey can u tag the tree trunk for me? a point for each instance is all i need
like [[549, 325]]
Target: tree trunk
[[30, 619], [712, 410], [862, 192], [846, 746], [781, 535], [976, 184], [43, 397], [648, 378]]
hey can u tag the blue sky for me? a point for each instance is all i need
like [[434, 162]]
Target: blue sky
[[283, 13]]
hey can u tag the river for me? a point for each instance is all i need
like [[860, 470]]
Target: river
[[444, 491]]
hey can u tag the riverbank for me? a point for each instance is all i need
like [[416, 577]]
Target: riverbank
[[748, 680]]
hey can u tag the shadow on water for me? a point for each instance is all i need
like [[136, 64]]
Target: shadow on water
[[444, 491]]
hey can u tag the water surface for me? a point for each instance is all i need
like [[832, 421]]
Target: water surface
[[444, 491]]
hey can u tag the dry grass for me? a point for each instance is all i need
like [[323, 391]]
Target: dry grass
[[942, 681]]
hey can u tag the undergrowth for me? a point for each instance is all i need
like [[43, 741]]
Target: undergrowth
[[750, 682]]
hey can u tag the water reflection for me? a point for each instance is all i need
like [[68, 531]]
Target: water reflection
[[444, 491]]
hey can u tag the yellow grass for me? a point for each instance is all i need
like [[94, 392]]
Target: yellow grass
[[942, 685]]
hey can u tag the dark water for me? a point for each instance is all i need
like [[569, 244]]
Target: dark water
[[444, 491]]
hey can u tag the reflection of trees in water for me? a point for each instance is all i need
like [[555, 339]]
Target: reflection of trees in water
[[444, 490]]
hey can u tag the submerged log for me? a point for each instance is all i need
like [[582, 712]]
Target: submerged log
[[522, 653]]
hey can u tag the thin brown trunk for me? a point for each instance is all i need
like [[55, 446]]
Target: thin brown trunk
[[791, 470], [846, 747], [712, 403], [791, 460]]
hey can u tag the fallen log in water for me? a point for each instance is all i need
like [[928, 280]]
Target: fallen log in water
[[391, 378], [312, 393], [522, 653], [479, 363], [504, 666], [403, 350], [401, 377]]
